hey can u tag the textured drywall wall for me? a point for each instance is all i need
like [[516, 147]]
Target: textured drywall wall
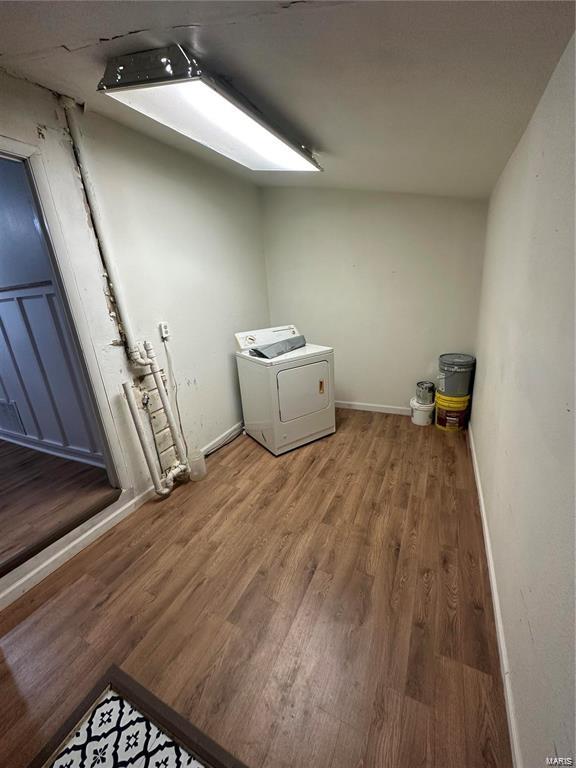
[[523, 418], [390, 281], [186, 240]]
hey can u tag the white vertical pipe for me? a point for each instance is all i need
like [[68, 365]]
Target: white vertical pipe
[[133, 348], [70, 108], [146, 450]]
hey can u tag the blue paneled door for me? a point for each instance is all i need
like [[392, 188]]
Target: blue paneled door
[[44, 396]]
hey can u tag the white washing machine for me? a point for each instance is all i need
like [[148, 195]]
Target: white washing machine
[[288, 400]]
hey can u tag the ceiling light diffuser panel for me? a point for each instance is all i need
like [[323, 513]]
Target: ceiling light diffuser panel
[[169, 86]]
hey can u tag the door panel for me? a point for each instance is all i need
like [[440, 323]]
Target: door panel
[[41, 376], [24, 372], [24, 256], [303, 390]]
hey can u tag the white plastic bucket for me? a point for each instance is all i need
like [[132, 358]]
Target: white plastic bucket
[[197, 465], [422, 415]]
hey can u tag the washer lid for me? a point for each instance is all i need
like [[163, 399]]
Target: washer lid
[[289, 357], [247, 339]]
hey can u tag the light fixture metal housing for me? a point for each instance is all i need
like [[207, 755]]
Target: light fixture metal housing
[[171, 86]]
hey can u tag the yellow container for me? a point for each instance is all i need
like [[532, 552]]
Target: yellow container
[[452, 413], [455, 403]]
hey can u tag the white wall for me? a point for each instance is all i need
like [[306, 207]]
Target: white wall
[[187, 240], [391, 281], [523, 419]]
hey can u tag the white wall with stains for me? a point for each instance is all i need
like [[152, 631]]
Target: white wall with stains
[[523, 421], [186, 238]]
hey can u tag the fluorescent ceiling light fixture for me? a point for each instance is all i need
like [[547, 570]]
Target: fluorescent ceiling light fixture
[[168, 85]]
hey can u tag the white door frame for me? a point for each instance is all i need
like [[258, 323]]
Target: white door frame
[[33, 128], [64, 270]]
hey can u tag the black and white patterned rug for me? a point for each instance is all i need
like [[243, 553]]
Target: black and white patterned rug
[[122, 724], [115, 734]]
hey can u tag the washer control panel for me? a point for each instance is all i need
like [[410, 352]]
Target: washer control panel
[[248, 339]]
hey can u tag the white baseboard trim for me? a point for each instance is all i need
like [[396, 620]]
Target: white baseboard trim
[[224, 438], [26, 576], [397, 409], [502, 649]]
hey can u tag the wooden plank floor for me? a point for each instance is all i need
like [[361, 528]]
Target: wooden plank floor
[[326, 609], [42, 497]]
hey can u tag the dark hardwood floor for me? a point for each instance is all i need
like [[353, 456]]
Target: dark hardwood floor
[[326, 609], [42, 497]]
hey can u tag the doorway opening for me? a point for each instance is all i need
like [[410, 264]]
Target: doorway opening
[[55, 467]]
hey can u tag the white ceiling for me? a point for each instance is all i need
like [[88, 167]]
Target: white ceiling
[[425, 97]]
